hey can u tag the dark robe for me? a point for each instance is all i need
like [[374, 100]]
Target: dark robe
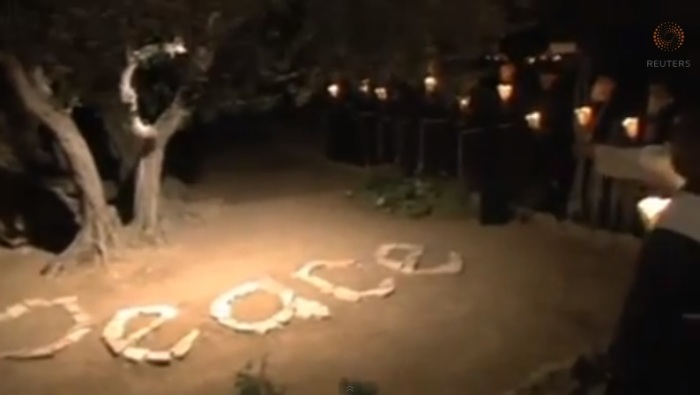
[[438, 138], [658, 126], [555, 163], [656, 349]]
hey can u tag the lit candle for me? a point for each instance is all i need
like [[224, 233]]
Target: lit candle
[[583, 115], [533, 120], [650, 209], [464, 103], [365, 86], [333, 90], [556, 58], [430, 83], [505, 91], [631, 126], [381, 93], [531, 60]]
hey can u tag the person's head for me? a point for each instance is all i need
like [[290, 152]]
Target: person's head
[[659, 96], [603, 89], [685, 146], [506, 73]]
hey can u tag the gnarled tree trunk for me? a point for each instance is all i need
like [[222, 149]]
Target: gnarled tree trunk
[[150, 169], [97, 220], [147, 192]]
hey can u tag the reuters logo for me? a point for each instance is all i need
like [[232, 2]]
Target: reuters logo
[[668, 37]]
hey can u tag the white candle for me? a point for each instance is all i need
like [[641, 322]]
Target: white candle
[[650, 209], [430, 83], [464, 102], [333, 90], [533, 120], [583, 115], [365, 86], [631, 126], [381, 93], [505, 91]]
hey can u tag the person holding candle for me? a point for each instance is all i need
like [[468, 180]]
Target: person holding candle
[[661, 109], [554, 138], [656, 348], [597, 124], [499, 111]]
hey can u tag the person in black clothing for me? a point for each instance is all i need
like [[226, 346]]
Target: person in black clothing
[[500, 109], [656, 348], [661, 109], [600, 128], [555, 163]]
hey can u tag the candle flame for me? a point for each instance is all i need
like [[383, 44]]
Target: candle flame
[[533, 119], [333, 90], [505, 91], [365, 86], [651, 208], [631, 126], [381, 93], [430, 83]]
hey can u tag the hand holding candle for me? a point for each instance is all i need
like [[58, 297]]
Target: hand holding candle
[[381, 93], [464, 103], [333, 90], [584, 115], [365, 86], [430, 84], [650, 209], [631, 126], [534, 120], [505, 92]]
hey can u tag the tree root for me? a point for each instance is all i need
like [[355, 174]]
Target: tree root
[[94, 243]]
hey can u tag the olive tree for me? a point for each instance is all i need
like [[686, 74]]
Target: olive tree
[[60, 55]]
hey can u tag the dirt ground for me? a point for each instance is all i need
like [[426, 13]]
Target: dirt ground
[[530, 294]]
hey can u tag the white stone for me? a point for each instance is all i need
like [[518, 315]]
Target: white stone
[[116, 345], [65, 300], [37, 303], [454, 265], [184, 345], [346, 294], [220, 309], [159, 357], [16, 310], [135, 354], [310, 309], [81, 318], [77, 334], [284, 316], [413, 254], [385, 288], [114, 329], [33, 353]]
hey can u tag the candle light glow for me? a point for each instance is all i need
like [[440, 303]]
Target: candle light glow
[[650, 209], [333, 90], [583, 115], [381, 93], [430, 83], [505, 91], [631, 126], [365, 86], [534, 120]]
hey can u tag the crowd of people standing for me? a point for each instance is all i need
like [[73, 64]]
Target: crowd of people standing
[[524, 135]]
